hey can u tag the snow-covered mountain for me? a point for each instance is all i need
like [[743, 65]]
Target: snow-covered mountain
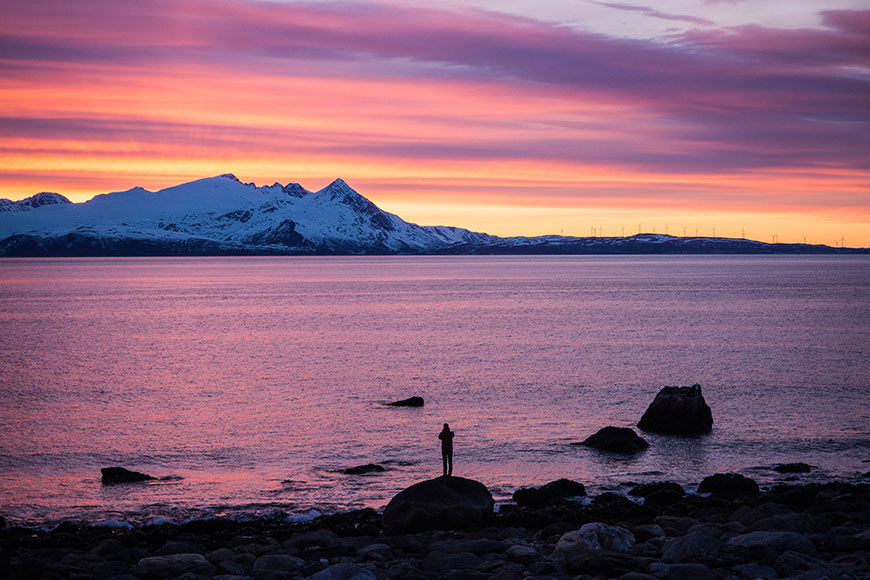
[[223, 216], [217, 215]]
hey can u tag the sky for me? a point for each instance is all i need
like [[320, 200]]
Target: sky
[[514, 117]]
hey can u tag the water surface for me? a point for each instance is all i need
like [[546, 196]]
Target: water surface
[[254, 380]]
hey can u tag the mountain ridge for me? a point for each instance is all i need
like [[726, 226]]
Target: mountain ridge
[[222, 215]]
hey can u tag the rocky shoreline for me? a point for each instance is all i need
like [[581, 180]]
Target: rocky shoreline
[[809, 531]]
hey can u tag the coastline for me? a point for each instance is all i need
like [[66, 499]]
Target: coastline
[[815, 530]]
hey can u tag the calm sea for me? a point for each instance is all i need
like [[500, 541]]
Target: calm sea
[[251, 382]]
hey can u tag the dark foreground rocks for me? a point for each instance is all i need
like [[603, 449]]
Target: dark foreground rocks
[[440, 503], [409, 402], [807, 532], [113, 475], [728, 485], [616, 440], [553, 493], [678, 411]]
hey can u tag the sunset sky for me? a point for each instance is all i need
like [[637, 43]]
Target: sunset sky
[[505, 116]]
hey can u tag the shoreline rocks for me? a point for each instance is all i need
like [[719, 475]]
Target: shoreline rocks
[[809, 531], [678, 411], [553, 493], [728, 485]]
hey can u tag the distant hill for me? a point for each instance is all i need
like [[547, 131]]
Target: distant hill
[[223, 216]]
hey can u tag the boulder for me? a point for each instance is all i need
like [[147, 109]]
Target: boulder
[[700, 544], [616, 440], [364, 469], [409, 402], [792, 468], [594, 537], [344, 571], [552, 493], [440, 503], [728, 485], [112, 475], [678, 411], [662, 492], [175, 565], [277, 563], [776, 542]]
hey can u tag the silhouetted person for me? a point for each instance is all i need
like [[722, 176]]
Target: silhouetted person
[[446, 437]]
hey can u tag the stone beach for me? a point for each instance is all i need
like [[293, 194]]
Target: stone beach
[[801, 531]]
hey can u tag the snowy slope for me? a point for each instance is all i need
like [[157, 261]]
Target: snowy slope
[[218, 215], [221, 215]]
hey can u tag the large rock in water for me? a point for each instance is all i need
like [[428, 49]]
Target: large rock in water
[[616, 440], [443, 503], [678, 411], [409, 402], [111, 475]]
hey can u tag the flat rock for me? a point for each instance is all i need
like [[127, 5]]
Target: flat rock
[[777, 542], [409, 402], [344, 571], [792, 563], [684, 572], [175, 565], [113, 475], [792, 468], [176, 547], [280, 563], [616, 440], [364, 469], [678, 411], [440, 503], [728, 485]]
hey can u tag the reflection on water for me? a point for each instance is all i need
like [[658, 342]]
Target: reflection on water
[[241, 374]]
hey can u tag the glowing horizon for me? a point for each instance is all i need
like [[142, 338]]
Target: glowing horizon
[[493, 121]]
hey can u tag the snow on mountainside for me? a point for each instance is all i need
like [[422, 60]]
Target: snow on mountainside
[[223, 216], [38, 200], [218, 215]]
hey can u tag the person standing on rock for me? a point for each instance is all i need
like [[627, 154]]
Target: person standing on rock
[[446, 437]]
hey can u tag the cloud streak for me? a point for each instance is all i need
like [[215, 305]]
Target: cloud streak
[[653, 13], [364, 84]]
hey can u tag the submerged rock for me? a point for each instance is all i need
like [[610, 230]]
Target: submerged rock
[[792, 468], [409, 402], [728, 485], [364, 469], [678, 411], [440, 503], [616, 440], [112, 475]]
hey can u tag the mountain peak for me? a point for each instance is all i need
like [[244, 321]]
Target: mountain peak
[[230, 176], [295, 190], [34, 201]]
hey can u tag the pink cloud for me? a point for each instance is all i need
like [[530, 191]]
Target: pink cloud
[[746, 98]]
